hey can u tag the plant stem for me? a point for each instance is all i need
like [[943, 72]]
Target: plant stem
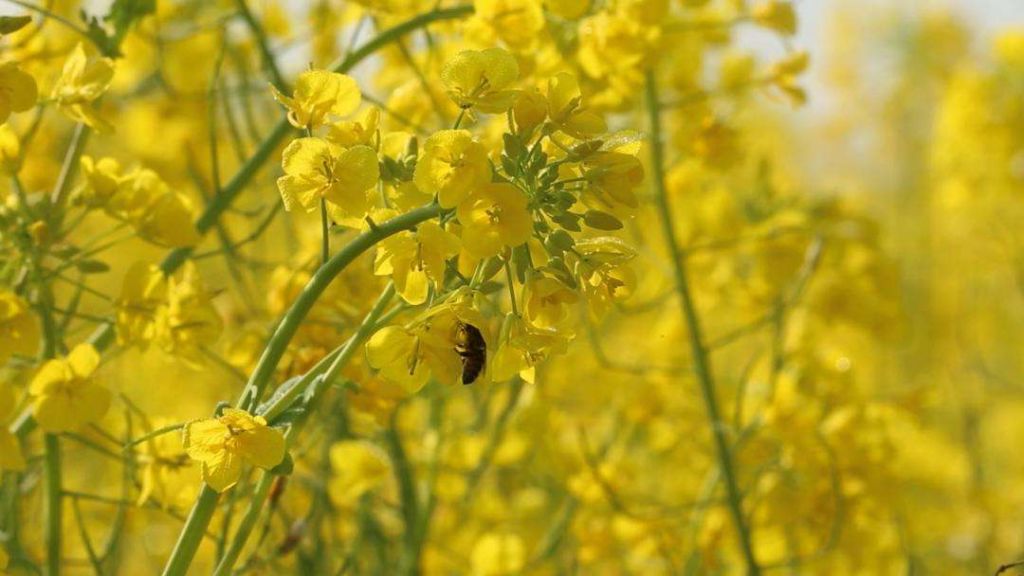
[[69, 167], [202, 512], [52, 504], [262, 43], [701, 360], [192, 534], [259, 497], [314, 288], [325, 232]]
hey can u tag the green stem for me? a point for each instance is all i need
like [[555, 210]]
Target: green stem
[[195, 528], [325, 232], [263, 45], [314, 288], [69, 168], [202, 512], [248, 523], [52, 504], [701, 361], [259, 497]]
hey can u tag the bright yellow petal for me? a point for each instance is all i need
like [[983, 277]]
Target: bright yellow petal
[[83, 360], [263, 446], [222, 471]]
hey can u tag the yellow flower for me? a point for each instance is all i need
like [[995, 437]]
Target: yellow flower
[[517, 23], [565, 108], [81, 83], [415, 259], [319, 94], [451, 165], [613, 177], [102, 180], [10, 449], [409, 355], [530, 110], [166, 478], [493, 217], [548, 302], [498, 555], [605, 276], [359, 467], [144, 200], [784, 76], [19, 331], [187, 320], [10, 149], [3, 559], [142, 292], [364, 131], [18, 90], [776, 15], [222, 444], [521, 348], [168, 221], [478, 79], [568, 9], [315, 169], [65, 397]]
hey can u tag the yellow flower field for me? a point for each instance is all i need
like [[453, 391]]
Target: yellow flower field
[[510, 287]]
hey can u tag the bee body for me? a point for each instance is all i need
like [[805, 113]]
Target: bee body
[[472, 349]]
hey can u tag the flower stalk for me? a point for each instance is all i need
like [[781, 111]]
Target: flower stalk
[[701, 360]]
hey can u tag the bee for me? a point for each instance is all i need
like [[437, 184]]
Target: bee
[[471, 348]]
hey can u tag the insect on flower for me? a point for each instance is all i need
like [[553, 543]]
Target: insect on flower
[[471, 348]]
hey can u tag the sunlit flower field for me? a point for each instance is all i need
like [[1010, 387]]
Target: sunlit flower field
[[502, 287]]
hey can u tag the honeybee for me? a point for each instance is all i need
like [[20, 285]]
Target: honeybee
[[471, 348]]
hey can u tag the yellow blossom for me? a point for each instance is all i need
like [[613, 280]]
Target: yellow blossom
[[167, 478], [187, 321], [319, 94], [409, 355], [517, 23], [548, 303], [521, 348], [221, 445], [315, 168], [479, 79], [358, 467], [365, 131], [451, 165], [19, 331], [64, 394], [614, 176], [415, 260], [776, 15], [18, 91], [492, 218], [10, 149], [142, 292], [102, 179], [498, 554], [566, 110], [82, 81]]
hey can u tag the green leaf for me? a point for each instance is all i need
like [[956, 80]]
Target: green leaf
[[11, 24], [601, 220], [559, 242], [568, 220]]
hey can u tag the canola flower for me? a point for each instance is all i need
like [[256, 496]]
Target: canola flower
[[506, 287]]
